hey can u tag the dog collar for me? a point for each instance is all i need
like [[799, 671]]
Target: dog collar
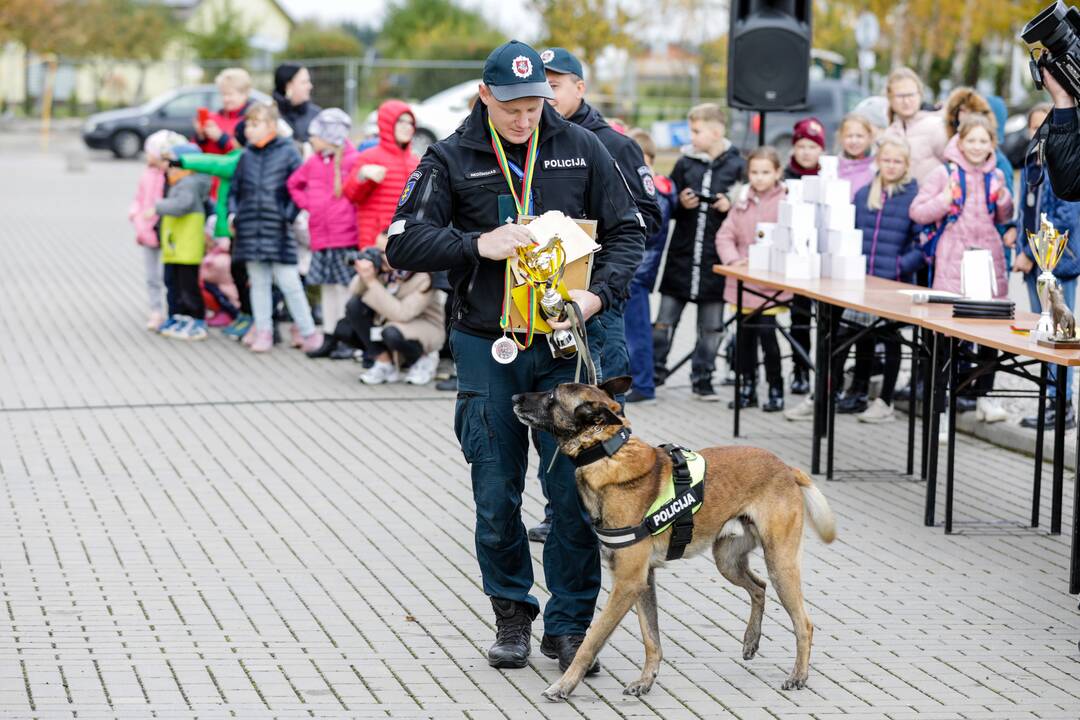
[[601, 450]]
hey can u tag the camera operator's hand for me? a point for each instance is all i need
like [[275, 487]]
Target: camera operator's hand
[[1061, 97], [588, 302], [503, 241], [366, 270]]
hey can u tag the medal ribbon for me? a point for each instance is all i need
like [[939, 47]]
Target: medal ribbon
[[524, 201]]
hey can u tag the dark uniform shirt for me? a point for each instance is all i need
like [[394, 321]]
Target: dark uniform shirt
[[454, 196], [628, 156]]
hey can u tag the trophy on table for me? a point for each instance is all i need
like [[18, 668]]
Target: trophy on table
[[1057, 325]]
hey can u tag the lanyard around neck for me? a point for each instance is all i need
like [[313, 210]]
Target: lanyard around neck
[[523, 202]]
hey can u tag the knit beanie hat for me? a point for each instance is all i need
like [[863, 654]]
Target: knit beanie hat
[[331, 125], [283, 74], [157, 143], [809, 129]]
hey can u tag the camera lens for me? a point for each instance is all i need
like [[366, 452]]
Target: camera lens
[[1049, 28]]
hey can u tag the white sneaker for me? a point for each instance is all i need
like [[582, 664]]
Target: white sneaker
[[381, 372], [423, 370], [989, 411], [877, 412], [801, 412]]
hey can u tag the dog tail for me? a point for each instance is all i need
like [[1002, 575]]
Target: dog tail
[[821, 516]]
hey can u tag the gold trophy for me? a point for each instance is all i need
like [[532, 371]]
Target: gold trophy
[[543, 268], [1056, 324]]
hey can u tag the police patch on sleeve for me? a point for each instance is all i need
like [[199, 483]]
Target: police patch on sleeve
[[647, 181], [406, 193]]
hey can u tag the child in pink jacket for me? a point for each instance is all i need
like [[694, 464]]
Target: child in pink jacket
[[739, 231], [151, 189], [317, 186], [962, 201]]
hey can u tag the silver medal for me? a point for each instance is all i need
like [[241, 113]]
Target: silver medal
[[504, 350]]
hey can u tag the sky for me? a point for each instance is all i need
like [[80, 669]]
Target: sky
[[508, 16]]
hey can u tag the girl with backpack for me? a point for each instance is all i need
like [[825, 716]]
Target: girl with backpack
[[963, 201]]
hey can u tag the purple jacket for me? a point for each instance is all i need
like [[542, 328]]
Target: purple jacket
[[859, 172]]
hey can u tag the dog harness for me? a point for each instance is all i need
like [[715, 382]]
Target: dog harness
[[674, 507]]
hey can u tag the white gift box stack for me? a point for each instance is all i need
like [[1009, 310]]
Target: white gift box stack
[[815, 234]]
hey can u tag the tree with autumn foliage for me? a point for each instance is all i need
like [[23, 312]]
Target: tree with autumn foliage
[[584, 27]]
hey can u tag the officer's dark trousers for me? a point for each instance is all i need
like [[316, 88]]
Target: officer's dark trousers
[[496, 445]]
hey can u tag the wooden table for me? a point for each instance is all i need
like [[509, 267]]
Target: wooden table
[[881, 298]]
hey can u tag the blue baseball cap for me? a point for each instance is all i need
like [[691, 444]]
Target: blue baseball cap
[[562, 61], [514, 70]]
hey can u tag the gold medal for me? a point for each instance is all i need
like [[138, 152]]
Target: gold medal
[[504, 350]]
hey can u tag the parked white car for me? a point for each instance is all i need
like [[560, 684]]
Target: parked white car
[[436, 117]]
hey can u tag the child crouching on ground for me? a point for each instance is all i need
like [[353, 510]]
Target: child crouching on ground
[[150, 190], [760, 204], [183, 242], [262, 211]]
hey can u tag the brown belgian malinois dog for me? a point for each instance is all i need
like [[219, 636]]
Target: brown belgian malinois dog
[[751, 498]]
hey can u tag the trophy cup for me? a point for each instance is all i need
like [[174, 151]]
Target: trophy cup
[[544, 268], [1056, 324]]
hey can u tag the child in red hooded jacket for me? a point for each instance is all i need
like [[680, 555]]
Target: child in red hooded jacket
[[382, 171]]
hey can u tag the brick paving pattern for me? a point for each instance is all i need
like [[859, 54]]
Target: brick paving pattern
[[192, 531]]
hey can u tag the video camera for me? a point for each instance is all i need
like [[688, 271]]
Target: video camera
[[370, 253], [1057, 28]]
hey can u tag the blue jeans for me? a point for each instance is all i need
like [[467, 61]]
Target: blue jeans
[[1068, 290], [496, 446], [614, 360], [637, 325], [263, 277]]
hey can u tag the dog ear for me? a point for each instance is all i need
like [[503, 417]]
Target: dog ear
[[594, 413], [617, 385]]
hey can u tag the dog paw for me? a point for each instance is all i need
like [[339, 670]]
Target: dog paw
[[556, 693], [749, 650], [794, 683], [638, 688]]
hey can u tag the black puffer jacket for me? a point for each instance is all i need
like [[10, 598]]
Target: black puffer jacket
[[1063, 153], [688, 274], [298, 117], [260, 203]]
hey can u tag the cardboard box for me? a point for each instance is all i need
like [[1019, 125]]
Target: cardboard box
[[796, 267], [844, 242], [794, 190], [781, 237], [578, 274], [760, 257], [835, 192], [811, 189], [804, 239], [836, 217], [845, 267], [797, 214], [829, 166], [764, 233]]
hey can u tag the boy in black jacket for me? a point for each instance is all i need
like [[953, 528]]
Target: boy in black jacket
[[702, 176]]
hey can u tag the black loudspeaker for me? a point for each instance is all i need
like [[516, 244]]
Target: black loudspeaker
[[769, 54]]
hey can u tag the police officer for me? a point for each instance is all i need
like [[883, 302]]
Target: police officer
[[456, 213], [566, 77]]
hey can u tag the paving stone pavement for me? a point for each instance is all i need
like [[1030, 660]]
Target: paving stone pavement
[[193, 531]]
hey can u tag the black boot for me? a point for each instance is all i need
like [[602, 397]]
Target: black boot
[[776, 399], [328, 346], [513, 630], [747, 397], [564, 648], [539, 534], [853, 401], [1050, 414], [800, 381]]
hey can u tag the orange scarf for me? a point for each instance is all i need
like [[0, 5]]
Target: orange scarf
[[266, 140]]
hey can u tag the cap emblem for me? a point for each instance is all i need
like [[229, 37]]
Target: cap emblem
[[522, 67]]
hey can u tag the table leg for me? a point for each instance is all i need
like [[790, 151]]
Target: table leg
[[1074, 561], [1059, 450], [927, 381], [954, 381], [830, 404], [821, 383], [1040, 433], [738, 354], [931, 443], [911, 410]]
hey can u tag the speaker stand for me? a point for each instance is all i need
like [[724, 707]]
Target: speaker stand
[[761, 129]]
